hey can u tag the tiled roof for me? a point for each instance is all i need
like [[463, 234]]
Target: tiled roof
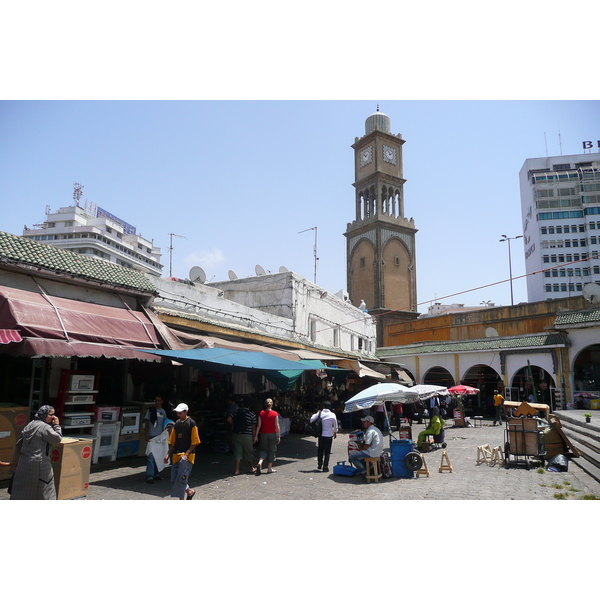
[[577, 318], [498, 343], [18, 250]]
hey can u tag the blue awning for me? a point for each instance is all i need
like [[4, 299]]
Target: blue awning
[[230, 361]]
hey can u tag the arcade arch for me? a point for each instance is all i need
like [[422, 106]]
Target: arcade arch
[[438, 376]]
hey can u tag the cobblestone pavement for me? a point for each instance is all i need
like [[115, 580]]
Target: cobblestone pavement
[[298, 479]]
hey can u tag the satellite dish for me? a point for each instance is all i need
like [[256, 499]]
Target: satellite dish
[[197, 275], [259, 270], [283, 270], [232, 275], [591, 292]]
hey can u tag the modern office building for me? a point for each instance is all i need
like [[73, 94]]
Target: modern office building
[[560, 204], [95, 232]]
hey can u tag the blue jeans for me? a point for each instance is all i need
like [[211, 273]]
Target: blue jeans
[[151, 468], [357, 458]]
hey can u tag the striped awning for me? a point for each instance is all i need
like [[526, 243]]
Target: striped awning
[[9, 335]]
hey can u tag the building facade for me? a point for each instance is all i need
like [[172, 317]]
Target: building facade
[[94, 232], [560, 204]]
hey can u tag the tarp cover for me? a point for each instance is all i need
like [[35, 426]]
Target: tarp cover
[[230, 361]]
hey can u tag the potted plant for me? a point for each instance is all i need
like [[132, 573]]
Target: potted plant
[[588, 417]]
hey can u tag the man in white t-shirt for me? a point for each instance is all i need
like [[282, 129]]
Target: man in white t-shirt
[[372, 445], [328, 433]]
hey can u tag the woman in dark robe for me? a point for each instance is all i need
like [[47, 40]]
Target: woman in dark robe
[[34, 476]]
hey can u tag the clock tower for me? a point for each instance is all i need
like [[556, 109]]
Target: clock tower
[[380, 242]]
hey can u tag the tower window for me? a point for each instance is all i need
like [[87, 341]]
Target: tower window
[[362, 262], [397, 261]]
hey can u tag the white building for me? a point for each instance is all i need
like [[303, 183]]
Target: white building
[[277, 306], [94, 232], [560, 204]]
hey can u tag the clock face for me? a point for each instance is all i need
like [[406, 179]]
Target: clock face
[[389, 154], [366, 156]]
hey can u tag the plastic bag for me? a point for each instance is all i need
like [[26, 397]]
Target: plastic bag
[[558, 463]]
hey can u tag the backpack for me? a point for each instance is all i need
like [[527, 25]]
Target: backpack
[[316, 428], [239, 420]]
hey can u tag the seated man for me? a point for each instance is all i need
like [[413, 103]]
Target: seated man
[[372, 445], [435, 426]]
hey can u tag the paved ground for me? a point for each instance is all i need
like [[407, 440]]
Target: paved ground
[[297, 478]]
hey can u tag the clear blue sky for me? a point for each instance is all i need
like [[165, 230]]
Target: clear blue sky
[[240, 179]]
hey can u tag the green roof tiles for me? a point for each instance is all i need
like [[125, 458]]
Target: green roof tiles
[[498, 343], [18, 250], [577, 318]]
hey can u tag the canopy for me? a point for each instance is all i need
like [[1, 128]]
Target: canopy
[[230, 361], [55, 326], [285, 380], [360, 369], [463, 390], [9, 335], [429, 391], [380, 393]]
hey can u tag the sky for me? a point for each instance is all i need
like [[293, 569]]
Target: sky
[[238, 182]]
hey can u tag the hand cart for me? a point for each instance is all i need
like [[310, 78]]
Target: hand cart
[[523, 439]]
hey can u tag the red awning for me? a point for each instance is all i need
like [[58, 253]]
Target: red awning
[[37, 348], [9, 335], [53, 326]]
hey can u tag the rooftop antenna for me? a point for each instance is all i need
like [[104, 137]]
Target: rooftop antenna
[[546, 143], [77, 193], [171, 251], [559, 142], [314, 248]]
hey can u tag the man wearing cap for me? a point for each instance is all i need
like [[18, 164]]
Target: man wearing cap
[[498, 402], [182, 445], [372, 445]]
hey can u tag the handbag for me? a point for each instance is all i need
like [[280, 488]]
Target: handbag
[[316, 428]]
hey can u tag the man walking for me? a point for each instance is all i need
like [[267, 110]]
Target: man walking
[[329, 429], [498, 402], [153, 425], [244, 423], [182, 445]]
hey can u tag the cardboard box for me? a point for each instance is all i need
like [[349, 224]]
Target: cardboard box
[[12, 421], [71, 460]]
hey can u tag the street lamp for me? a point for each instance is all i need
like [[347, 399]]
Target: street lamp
[[505, 238]]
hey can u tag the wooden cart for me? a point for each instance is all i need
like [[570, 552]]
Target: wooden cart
[[523, 439]]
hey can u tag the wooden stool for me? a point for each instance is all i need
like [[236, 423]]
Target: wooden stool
[[497, 455], [445, 464], [424, 470], [477, 420], [373, 474], [484, 454]]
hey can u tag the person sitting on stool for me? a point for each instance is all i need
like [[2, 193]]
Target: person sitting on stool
[[372, 445], [435, 426]]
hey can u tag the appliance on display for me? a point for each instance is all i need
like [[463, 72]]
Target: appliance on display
[[81, 382], [106, 437], [130, 422], [106, 414]]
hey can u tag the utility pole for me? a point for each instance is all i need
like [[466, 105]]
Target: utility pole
[[171, 235], [314, 248]]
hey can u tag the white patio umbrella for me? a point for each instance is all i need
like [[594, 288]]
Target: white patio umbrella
[[380, 393], [428, 391]]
